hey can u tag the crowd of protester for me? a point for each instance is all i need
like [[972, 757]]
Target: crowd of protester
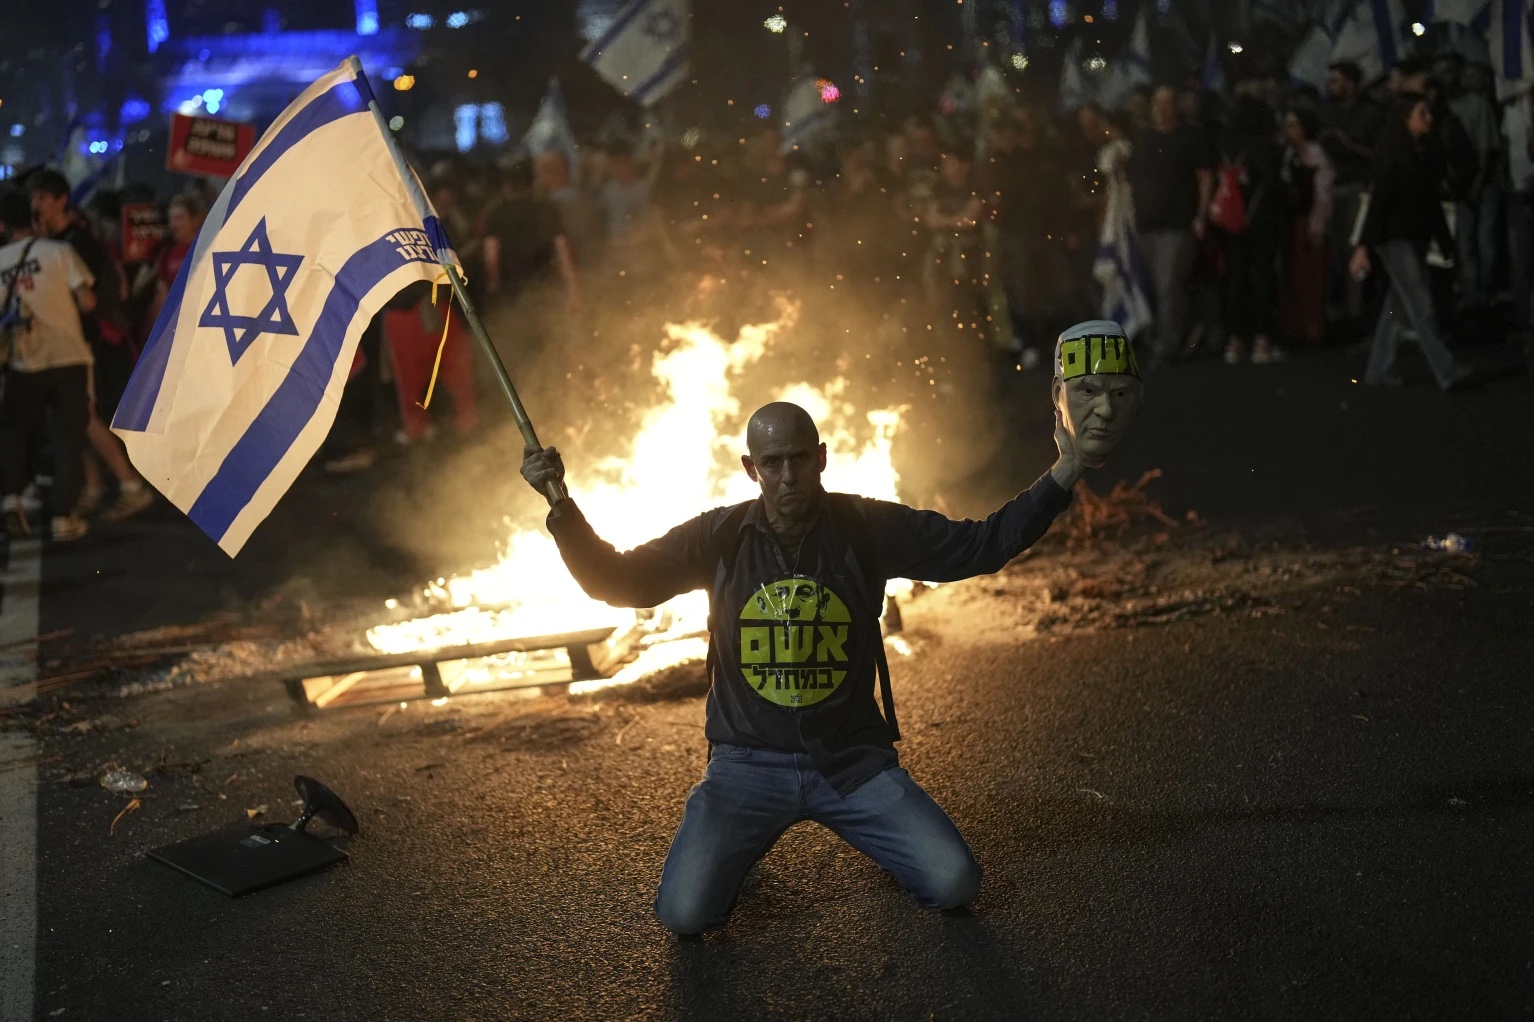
[[1243, 225]]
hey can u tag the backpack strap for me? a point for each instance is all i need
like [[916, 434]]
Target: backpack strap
[[851, 520]]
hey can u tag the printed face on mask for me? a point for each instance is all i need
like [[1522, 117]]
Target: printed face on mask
[[1098, 411], [1097, 387]]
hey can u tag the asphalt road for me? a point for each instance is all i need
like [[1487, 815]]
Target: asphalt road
[[1319, 813]]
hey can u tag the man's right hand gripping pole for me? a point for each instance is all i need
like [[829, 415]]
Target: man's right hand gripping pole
[[544, 471]]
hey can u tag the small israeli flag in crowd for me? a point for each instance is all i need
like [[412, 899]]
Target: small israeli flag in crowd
[[1371, 33], [806, 115], [241, 377], [1509, 36], [644, 52], [1312, 59], [1131, 70]]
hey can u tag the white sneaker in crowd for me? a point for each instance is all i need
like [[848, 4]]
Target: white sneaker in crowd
[[31, 503]]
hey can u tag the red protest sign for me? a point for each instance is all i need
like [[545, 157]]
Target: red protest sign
[[143, 227], [207, 145]]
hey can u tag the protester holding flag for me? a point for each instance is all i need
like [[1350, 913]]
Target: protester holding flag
[[240, 380]]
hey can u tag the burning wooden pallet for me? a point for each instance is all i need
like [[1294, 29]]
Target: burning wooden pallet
[[445, 671]]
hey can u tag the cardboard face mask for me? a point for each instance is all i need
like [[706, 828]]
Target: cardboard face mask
[[1097, 386]]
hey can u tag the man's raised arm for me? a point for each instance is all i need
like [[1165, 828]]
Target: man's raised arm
[[930, 547], [646, 576]]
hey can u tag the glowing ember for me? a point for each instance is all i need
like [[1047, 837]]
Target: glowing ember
[[671, 470]]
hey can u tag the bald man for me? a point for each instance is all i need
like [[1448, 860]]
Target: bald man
[[796, 585]]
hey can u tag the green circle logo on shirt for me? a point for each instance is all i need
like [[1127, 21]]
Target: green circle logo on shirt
[[793, 642]]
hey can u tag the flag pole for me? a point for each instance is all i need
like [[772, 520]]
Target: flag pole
[[555, 490]]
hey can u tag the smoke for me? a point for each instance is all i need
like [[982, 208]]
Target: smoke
[[969, 418]]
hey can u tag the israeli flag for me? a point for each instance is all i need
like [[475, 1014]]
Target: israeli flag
[[1074, 93], [806, 115], [550, 129], [1312, 60], [241, 377], [644, 52], [1131, 70], [1370, 33], [1509, 35], [1213, 78]]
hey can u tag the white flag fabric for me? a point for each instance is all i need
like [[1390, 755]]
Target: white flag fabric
[[644, 52], [1312, 60], [807, 117], [1131, 70], [1508, 36], [550, 129], [1454, 12], [1073, 86], [241, 377], [1371, 35], [1120, 267]]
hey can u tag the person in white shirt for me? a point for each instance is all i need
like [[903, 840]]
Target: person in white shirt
[[44, 286]]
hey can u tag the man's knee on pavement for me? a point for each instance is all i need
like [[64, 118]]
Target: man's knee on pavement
[[683, 913], [953, 884]]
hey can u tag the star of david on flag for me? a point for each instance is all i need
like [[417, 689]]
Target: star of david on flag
[[241, 376], [274, 317], [644, 52]]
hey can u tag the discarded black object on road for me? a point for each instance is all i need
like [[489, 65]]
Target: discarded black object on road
[[249, 856]]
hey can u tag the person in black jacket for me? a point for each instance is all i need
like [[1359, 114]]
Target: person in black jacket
[[1405, 216], [796, 585]]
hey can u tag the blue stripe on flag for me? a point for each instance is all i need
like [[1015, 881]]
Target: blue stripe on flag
[[1512, 40], [143, 389], [661, 76], [341, 99], [257, 453], [1385, 29], [621, 22]]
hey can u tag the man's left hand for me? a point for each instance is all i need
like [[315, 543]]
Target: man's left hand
[[1069, 467]]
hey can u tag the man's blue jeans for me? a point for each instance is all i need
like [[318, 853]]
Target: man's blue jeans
[[749, 797]]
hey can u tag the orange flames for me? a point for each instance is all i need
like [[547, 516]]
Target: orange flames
[[671, 471]]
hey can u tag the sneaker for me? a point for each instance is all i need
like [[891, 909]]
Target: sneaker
[[131, 500], [67, 528], [356, 461], [1462, 378], [1265, 351], [86, 506], [1235, 351], [16, 524]]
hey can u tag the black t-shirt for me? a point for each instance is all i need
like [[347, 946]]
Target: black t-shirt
[[795, 634], [1361, 124], [526, 226], [1164, 175]]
